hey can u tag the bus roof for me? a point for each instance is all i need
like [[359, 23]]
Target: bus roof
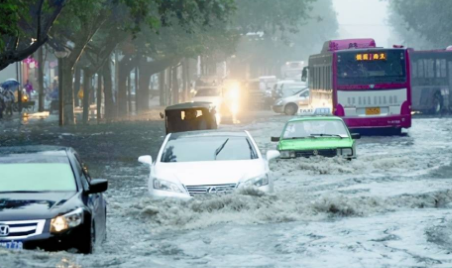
[[335, 45]]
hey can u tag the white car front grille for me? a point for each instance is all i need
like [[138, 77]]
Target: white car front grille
[[211, 189]]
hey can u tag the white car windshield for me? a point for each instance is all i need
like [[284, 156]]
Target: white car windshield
[[30, 175], [218, 148], [315, 128]]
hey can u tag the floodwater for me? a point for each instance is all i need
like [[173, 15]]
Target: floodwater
[[391, 207]]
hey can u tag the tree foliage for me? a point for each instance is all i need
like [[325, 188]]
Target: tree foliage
[[316, 24], [428, 19], [271, 16], [24, 27]]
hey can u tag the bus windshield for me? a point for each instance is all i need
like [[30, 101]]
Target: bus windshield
[[363, 68]]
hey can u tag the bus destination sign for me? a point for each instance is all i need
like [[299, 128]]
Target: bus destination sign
[[370, 56]]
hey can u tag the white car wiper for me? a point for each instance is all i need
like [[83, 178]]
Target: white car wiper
[[219, 149]]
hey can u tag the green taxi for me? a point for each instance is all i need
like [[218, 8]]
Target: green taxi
[[326, 136]]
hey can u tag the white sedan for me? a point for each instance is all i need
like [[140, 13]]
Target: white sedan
[[208, 162]]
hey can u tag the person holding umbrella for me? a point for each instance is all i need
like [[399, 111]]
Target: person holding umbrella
[[8, 96]]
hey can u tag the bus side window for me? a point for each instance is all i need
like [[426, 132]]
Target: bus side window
[[420, 68], [414, 71], [438, 68], [443, 68]]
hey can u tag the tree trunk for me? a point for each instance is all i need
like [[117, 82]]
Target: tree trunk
[[137, 89], [175, 87], [122, 92], [129, 93], [78, 75], [162, 88], [68, 96], [126, 65], [108, 92], [169, 87], [145, 77], [185, 79], [41, 79], [86, 94], [99, 97]]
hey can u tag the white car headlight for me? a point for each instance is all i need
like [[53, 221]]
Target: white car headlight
[[168, 186], [66, 221], [256, 182], [287, 154], [345, 151], [279, 102]]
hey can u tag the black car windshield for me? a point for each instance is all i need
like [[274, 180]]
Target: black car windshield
[[27, 174], [388, 67], [207, 92], [314, 128], [218, 148]]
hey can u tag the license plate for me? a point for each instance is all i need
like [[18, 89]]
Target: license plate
[[373, 111], [14, 245]]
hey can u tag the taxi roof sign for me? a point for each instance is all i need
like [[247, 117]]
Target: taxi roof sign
[[321, 111]]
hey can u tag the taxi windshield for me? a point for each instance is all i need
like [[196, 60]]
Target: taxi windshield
[[315, 128]]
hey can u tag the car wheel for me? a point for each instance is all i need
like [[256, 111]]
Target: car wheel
[[290, 109], [437, 104], [88, 242]]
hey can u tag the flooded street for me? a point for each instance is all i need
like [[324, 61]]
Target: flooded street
[[391, 207]]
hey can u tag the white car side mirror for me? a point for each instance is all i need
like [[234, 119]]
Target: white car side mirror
[[145, 159], [272, 154]]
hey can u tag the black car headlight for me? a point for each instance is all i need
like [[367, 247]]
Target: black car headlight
[[66, 221], [287, 154], [164, 185], [345, 151]]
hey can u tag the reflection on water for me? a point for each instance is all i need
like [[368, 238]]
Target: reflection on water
[[68, 263]]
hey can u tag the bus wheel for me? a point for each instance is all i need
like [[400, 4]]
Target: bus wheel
[[437, 103], [290, 109]]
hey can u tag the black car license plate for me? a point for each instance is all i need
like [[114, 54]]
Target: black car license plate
[[13, 245]]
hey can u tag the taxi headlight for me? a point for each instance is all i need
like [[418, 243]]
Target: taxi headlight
[[345, 151], [287, 154], [66, 221], [168, 186]]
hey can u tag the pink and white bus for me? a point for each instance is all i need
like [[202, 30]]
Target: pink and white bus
[[368, 87]]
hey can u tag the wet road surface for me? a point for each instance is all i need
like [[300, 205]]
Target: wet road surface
[[391, 207]]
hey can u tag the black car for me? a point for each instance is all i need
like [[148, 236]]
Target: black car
[[49, 201]]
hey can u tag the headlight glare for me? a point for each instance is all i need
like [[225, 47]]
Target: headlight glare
[[168, 186], [66, 221]]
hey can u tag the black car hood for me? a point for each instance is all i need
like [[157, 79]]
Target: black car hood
[[34, 206]]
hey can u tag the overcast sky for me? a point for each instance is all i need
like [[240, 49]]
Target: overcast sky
[[363, 19]]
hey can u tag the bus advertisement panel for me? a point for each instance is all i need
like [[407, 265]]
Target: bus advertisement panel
[[368, 87]]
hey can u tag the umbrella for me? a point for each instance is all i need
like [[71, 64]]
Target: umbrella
[[10, 84]]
